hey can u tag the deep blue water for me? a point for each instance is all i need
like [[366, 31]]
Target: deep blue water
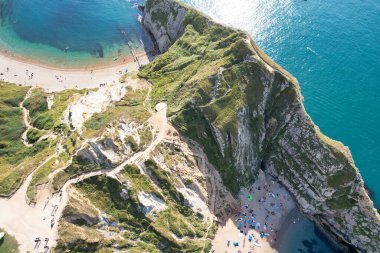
[[333, 49], [71, 33]]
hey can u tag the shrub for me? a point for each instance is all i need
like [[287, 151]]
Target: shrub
[[33, 135]]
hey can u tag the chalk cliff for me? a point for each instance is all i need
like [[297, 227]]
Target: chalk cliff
[[248, 115]]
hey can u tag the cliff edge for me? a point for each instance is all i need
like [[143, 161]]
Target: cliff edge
[[248, 115]]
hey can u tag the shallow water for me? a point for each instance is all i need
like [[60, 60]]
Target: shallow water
[[72, 33], [332, 48], [301, 235]]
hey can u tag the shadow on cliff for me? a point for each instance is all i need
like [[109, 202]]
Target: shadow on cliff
[[371, 193]]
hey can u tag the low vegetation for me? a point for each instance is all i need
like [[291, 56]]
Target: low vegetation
[[78, 166], [8, 244], [140, 233], [104, 193], [139, 182], [186, 77], [16, 160], [130, 108], [41, 116], [40, 177], [33, 135]]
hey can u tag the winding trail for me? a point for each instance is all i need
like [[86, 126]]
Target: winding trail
[[25, 117], [26, 222], [20, 219]]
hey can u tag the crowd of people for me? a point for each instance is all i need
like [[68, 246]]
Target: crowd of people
[[257, 223]]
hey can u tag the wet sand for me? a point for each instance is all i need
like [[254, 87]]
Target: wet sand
[[268, 210]]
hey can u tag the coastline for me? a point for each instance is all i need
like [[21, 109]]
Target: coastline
[[285, 226], [270, 208], [28, 72], [121, 60]]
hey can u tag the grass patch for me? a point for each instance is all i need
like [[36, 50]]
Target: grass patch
[[41, 116], [141, 233], [16, 160], [164, 182], [172, 221], [342, 177], [139, 181], [8, 244], [342, 199], [41, 175], [132, 143], [186, 77], [193, 125], [104, 193], [33, 135], [80, 165], [130, 108]]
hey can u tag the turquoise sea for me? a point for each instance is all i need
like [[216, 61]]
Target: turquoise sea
[[72, 33], [333, 49]]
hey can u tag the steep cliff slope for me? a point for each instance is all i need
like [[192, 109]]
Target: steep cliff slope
[[121, 178], [248, 114]]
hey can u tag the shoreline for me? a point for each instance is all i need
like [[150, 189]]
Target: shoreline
[[285, 225], [121, 60], [26, 72], [266, 207]]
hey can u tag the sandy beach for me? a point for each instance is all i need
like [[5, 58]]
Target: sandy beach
[[22, 72], [265, 206]]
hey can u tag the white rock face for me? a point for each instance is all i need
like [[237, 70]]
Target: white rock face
[[91, 103], [124, 194], [165, 34], [50, 101], [195, 202], [151, 203], [245, 155]]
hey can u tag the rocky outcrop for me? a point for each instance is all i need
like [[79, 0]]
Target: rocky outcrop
[[81, 219], [252, 117], [164, 19], [93, 155], [94, 101]]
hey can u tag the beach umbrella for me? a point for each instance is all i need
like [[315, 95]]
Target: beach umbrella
[[249, 198], [257, 225]]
